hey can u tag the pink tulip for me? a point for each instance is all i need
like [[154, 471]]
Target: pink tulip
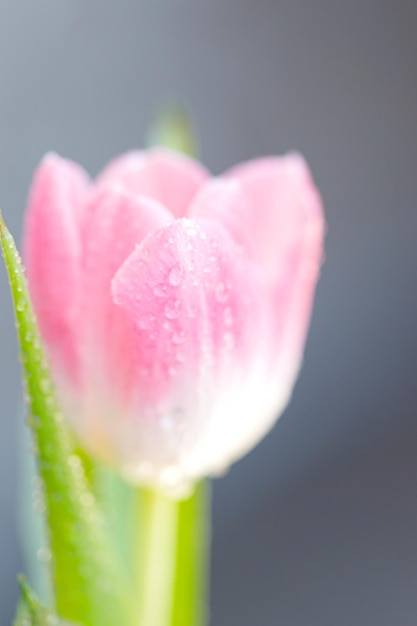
[[174, 305]]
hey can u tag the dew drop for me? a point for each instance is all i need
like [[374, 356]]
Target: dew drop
[[44, 555], [175, 275], [45, 385], [36, 482], [191, 231], [172, 309], [160, 290], [38, 501], [221, 292], [178, 337], [146, 322]]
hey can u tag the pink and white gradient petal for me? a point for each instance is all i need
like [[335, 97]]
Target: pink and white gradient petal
[[52, 254], [196, 303], [273, 210], [287, 240], [117, 222]]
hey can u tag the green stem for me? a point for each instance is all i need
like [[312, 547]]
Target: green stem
[[171, 559]]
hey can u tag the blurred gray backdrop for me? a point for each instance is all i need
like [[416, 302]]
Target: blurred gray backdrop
[[318, 525]]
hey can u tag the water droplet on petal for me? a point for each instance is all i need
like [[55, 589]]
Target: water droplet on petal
[[146, 322], [175, 275], [178, 337], [191, 231], [160, 291], [172, 309], [221, 292]]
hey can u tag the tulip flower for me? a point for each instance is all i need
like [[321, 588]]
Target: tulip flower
[[174, 305]]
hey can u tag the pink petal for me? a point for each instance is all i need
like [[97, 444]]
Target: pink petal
[[197, 308], [118, 221], [225, 201], [266, 205], [288, 227], [272, 208], [52, 252], [171, 178]]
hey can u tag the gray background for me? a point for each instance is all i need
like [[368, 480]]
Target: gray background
[[318, 525]]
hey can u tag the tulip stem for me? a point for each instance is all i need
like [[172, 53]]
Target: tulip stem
[[158, 523], [171, 559]]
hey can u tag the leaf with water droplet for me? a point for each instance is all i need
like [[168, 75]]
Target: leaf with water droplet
[[87, 584], [31, 612]]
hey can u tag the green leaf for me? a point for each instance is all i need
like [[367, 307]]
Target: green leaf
[[85, 573], [173, 129], [32, 613]]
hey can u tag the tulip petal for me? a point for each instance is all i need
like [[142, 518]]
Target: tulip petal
[[52, 252], [197, 309], [169, 177], [274, 211], [226, 202], [266, 204], [287, 232], [117, 222]]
